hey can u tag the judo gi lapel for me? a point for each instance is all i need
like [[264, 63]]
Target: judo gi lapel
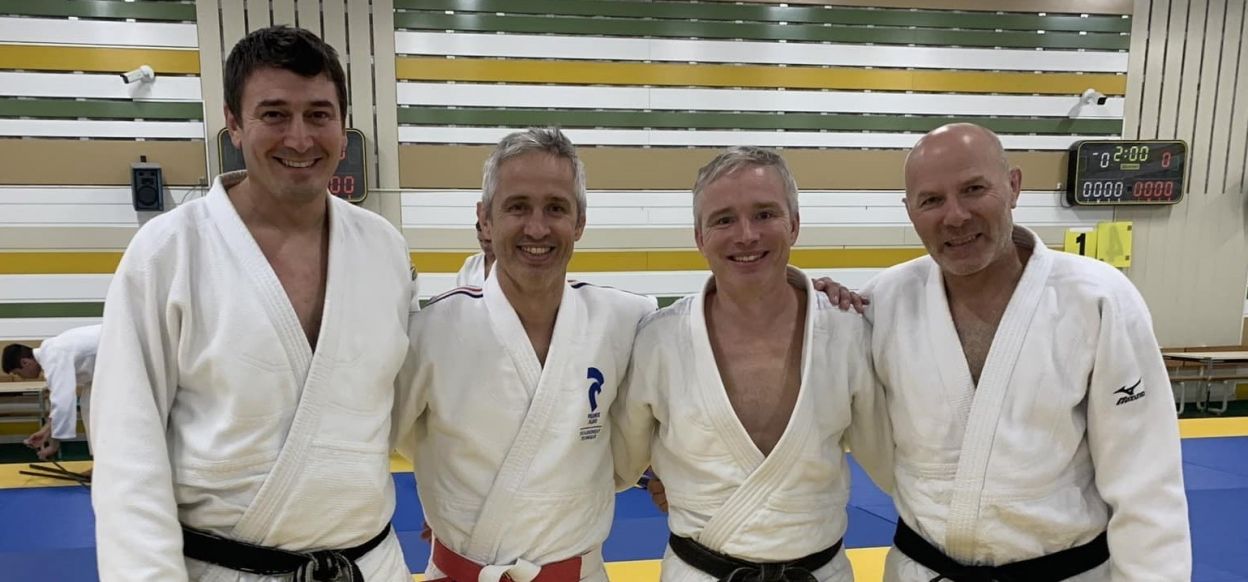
[[545, 385], [989, 398], [950, 361], [246, 252], [766, 471], [310, 369]]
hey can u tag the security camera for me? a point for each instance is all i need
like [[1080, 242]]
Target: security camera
[[1093, 97], [143, 74]]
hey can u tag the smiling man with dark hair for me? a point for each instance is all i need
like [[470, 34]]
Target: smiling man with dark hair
[[250, 344]]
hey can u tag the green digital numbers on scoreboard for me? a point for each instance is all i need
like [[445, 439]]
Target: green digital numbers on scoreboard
[[1112, 172]]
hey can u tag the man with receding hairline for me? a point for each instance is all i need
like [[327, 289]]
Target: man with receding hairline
[[1035, 435]]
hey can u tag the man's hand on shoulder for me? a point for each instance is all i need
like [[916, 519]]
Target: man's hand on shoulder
[[841, 296]]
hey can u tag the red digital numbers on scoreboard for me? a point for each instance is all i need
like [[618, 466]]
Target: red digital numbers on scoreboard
[[342, 186]]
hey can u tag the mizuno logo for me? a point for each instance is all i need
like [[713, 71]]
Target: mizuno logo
[[1129, 393]]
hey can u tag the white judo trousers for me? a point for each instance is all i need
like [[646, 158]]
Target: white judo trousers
[[214, 411]]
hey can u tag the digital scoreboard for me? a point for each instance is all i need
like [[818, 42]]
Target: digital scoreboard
[[350, 181], [1115, 172]]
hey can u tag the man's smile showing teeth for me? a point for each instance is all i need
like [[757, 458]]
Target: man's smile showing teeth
[[747, 258], [957, 242], [539, 251], [294, 164]]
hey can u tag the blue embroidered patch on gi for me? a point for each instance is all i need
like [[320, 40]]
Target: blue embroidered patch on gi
[[596, 388], [593, 426]]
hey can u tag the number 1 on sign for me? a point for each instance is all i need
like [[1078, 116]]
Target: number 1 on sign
[[1081, 241]]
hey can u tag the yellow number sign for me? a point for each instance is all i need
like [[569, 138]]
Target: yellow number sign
[[1114, 243], [1081, 241]]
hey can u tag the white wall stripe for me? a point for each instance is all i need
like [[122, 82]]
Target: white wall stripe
[[55, 195], [98, 32], [86, 195], [92, 288], [654, 283], [22, 328], [644, 137], [67, 214], [47, 288], [101, 128], [709, 51], [560, 96], [95, 86], [682, 218], [645, 213], [681, 198]]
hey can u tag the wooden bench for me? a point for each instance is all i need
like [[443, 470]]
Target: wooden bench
[[1220, 368], [23, 402]]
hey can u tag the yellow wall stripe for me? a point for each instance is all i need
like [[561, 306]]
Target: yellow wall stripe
[[689, 260], [664, 74], [55, 263], [79, 263], [98, 59]]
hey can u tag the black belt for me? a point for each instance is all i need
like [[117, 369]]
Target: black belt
[[729, 569], [318, 566], [1051, 568]]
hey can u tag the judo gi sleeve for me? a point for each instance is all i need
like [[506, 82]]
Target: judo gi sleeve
[[1134, 441], [870, 434], [58, 368], [632, 417], [411, 389], [137, 533]]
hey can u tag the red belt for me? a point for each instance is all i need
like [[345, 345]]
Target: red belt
[[457, 568]]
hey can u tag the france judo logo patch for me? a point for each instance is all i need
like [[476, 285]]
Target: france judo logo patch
[[593, 421], [596, 388]]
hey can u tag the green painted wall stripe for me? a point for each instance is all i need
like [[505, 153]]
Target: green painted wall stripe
[[716, 120], [100, 109], [773, 13], [753, 31], [171, 11], [14, 310]]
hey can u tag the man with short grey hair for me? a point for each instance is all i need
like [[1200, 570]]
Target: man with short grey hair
[[502, 402], [744, 396]]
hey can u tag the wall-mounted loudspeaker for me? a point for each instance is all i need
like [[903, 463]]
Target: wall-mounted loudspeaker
[[147, 187]]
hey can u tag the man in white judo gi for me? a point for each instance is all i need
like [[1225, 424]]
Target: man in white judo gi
[[477, 267], [744, 396], [1036, 437], [251, 341], [502, 406], [67, 362]]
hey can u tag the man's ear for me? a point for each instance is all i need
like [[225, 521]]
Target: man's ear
[[1016, 186], [484, 220], [235, 127]]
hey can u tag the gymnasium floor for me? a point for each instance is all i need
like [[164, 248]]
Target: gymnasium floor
[[46, 530]]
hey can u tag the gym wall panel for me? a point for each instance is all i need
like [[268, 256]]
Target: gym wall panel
[[1187, 75], [676, 74]]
